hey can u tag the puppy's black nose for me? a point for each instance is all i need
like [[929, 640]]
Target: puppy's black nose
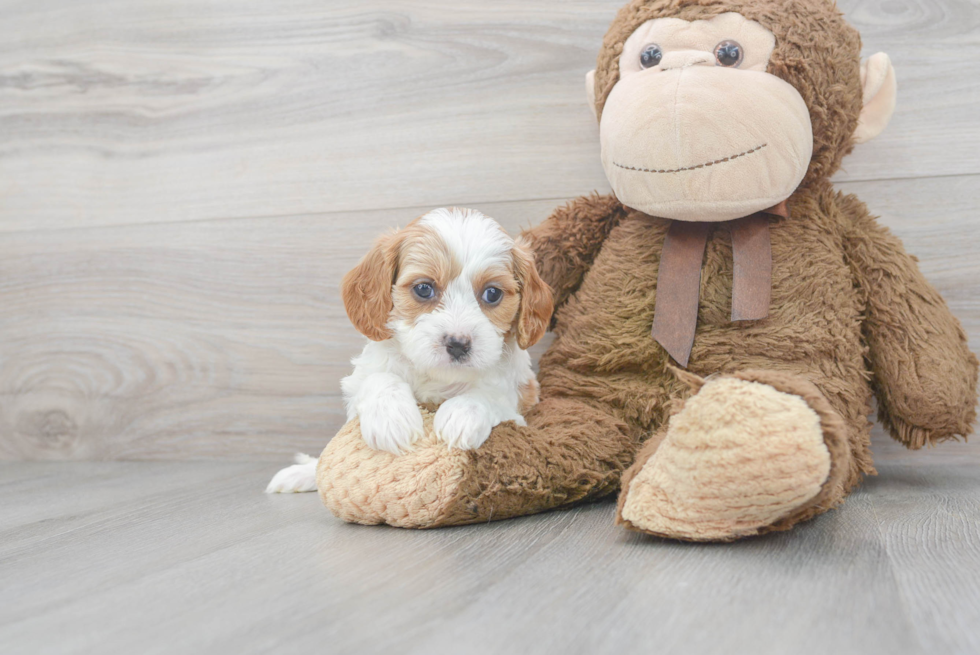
[[457, 348]]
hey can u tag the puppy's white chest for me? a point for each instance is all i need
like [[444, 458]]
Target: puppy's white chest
[[437, 391]]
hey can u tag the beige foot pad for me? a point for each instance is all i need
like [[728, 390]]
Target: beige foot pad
[[739, 456], [414, 490]]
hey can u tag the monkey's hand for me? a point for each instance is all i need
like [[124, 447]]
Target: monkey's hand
[[925, 376], [567, 242]]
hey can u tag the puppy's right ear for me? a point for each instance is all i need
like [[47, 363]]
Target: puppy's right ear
[[367, 288]]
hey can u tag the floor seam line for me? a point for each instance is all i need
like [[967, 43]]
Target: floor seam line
[[906, 611]]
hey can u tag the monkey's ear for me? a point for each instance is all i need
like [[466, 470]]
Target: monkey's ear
[[879, 90], [367, 288], [590, 89]]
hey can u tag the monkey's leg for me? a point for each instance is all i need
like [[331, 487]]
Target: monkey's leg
[[749, 453], [571, 451]]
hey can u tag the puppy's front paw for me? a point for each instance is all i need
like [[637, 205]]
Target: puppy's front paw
[[463, 423], [390, 423]]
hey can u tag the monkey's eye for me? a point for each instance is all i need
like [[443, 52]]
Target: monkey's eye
[[492, 295], [651, 56], [424, 291], [728, 53]]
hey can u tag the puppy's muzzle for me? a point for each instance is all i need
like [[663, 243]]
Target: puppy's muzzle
[[458, 348]]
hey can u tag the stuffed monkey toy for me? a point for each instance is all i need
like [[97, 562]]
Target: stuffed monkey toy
[[724, 317]]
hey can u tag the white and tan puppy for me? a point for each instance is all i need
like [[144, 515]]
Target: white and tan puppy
[[450, 304]]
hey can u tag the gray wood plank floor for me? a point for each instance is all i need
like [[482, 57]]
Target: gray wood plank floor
[[192, 557]]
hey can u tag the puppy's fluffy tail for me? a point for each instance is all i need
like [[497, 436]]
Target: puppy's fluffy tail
[[298, 478]]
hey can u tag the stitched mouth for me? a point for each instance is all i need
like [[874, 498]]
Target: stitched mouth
[[691, 168]]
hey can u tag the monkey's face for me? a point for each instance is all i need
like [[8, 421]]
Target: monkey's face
[[696, 129]]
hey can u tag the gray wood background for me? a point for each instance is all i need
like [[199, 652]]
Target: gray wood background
[[182, 185]]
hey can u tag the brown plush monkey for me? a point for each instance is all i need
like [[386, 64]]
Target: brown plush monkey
[[716, 347]]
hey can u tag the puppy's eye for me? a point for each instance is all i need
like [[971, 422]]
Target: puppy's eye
[[728, 53], [651, 56], [424, 291], [492, 295]]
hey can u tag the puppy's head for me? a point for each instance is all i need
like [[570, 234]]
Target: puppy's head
[[451, 287]]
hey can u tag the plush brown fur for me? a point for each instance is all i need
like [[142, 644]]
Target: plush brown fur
[[851, 315], [925, 378]]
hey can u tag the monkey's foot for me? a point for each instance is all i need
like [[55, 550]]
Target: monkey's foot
[[570, 452], [415, 490], [747, 454]]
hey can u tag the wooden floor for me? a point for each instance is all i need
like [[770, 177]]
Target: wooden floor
[[182, 186], [192, 557]]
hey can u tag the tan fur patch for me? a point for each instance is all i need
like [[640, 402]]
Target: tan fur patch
[[530, 395], [423, 257], [502, 314]]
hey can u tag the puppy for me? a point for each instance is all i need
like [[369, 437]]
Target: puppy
[[450, 304]]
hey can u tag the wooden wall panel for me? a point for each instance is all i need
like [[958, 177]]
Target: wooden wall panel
[[117, 112], [182, 186]]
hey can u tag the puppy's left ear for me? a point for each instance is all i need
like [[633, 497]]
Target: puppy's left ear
[[537, 304]]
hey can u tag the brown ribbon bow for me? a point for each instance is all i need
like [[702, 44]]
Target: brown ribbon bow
[[675, 314]]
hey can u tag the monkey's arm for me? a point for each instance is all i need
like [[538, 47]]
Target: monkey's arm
[[925, 376], [566, 243]]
